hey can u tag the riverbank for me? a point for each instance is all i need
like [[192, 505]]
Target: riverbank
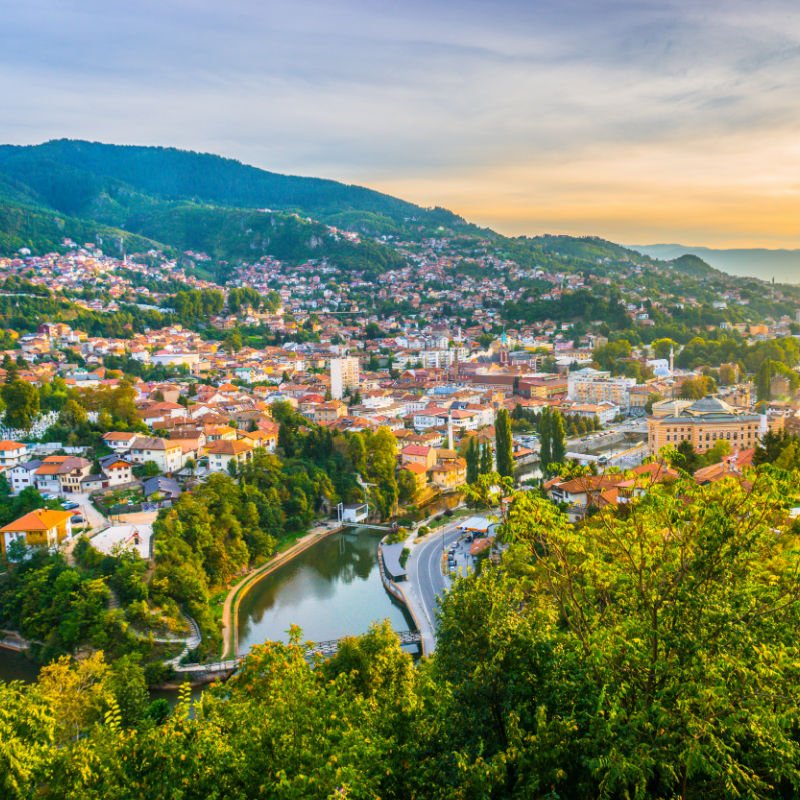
[[230, 610]]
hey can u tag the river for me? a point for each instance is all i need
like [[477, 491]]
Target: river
[[331, 590]]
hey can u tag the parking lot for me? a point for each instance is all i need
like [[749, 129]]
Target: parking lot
[[459, 561]]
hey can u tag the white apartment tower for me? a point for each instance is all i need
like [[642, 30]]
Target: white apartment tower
[[344, 375]]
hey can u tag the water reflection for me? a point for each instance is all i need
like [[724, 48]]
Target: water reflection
[[332, 590]]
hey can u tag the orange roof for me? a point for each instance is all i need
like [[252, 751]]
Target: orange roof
[[118, 436], [419, 469], [226, 447], [42, 519], [8, 445], [479, 545], [416, 450]]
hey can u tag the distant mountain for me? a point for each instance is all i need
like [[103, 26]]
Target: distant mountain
[[783, 265], [93, 179], [138, 198]]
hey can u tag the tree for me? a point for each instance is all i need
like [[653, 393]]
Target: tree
[[73, 415], [685, 457], [22, 404], [552, 438], [487, 459], [644, 656], [381, 459], [558, 438], [663, 347], [233, 341], [504, 448], [406, 487], [696, 388], [472, 457], [717, 452]]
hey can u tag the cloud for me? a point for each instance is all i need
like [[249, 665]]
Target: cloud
[[507, 101]]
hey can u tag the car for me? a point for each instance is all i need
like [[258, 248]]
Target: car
[[49, 496], [77, 519], [69, 505]]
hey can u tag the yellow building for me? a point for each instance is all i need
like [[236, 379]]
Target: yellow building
[[420, 473], [704, 423], [43, 527], [449, 474]]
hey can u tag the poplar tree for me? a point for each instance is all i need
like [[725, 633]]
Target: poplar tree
[[503, 445], [487, 463], [473, 458]]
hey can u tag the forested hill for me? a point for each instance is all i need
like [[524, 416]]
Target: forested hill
[[139, 198], [73, 176]]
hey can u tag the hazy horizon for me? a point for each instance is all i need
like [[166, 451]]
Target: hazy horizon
[[626, 119]]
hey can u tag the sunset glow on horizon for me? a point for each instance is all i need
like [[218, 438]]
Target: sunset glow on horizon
[[638, 121]]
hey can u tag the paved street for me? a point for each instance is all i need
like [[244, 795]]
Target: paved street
[[425, 580], [97, 521]]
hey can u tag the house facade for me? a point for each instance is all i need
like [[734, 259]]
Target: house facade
[[41, 528]]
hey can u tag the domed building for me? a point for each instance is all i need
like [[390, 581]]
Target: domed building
[[703, 423]]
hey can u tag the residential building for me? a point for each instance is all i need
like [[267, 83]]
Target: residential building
[[43, 527], [167, 454], [418, 454], [595, 386], [119, 441], [224, 452], [11, 454], [448, 475], [117, 471], [344, 375], [61, 474], [23, 475]]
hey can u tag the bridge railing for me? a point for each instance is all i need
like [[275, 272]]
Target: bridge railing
[[325, 648]]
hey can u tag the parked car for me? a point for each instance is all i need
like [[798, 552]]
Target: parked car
[[77, 519], [69, 505]]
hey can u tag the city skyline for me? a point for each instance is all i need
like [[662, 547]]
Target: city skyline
[[635, 121]]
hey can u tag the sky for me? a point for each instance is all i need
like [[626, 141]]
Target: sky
[[638, 121]]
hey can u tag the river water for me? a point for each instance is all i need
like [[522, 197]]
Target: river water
[[331, 590]]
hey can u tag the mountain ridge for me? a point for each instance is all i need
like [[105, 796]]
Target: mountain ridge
[[783, 264], [180, 200]]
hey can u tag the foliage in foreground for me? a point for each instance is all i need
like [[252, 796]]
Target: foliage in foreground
[[650, 654]]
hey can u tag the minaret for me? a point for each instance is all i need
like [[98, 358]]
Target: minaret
[[671, 359], [449, 430]]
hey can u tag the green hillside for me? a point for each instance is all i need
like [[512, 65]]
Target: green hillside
[[42, 231], [233, 212], [72, 176]]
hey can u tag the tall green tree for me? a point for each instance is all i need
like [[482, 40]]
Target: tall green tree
[[22, 404], [552, 439], [472, 457], [504, 448], [487, 459], [558, 438]]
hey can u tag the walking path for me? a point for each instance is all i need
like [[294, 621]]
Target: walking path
[[190, 643], [230, 611]]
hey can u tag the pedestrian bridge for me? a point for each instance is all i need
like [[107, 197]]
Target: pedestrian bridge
[[325, 649]]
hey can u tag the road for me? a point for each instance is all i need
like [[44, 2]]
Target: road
[[92, 516], [425, 580]]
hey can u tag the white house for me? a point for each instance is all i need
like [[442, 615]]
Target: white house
[[22, 475], [117, 470], [166, 454], [119, 441], [224, 451], [11, 454]]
